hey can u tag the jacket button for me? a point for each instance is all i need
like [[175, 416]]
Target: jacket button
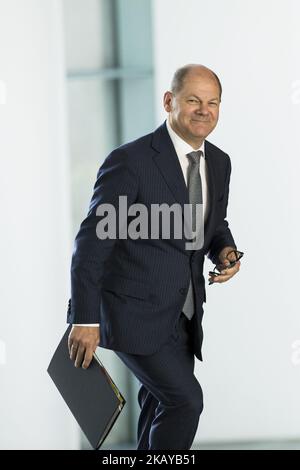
[[183, 291]]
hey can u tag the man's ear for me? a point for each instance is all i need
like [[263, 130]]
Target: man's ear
[[168, 97]]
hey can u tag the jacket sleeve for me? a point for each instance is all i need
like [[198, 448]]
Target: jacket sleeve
[[115, 178], [222, 236]]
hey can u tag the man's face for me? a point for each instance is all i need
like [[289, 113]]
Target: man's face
[[194, 110]]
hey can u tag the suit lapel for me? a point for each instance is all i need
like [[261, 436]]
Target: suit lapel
[[168, 164]]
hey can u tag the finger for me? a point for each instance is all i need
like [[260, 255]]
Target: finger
[[212, 275], [73, 351], [87, 358], [70, 342], [228, 265], [231, 256], [231, 271], [226, 262], [228, 274], [79, 356], [219, 279]]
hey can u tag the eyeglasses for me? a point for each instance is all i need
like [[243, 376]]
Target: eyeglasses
[[232, 257]]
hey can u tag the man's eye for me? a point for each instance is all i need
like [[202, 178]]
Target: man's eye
[[192, 101], [213, 103]]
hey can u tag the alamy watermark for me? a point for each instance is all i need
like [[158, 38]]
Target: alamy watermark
[[164, 220]]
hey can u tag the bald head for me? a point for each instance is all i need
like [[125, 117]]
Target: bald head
[[190, 71]]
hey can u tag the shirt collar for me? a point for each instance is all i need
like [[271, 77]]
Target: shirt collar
[[181, 146]]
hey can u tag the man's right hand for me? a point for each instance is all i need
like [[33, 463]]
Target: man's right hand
[[82, 343]]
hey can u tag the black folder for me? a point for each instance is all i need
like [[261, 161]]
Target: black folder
[[90, 394]]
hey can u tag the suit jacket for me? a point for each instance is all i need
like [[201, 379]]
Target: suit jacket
[[136, 289]]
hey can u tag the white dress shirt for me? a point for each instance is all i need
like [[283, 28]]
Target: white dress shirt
[[182, 148]]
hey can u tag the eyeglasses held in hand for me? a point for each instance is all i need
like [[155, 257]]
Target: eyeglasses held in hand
[[232, 257]]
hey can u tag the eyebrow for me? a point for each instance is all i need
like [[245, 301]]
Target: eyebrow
[[195, 96]]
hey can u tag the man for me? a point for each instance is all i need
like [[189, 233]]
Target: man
[[146, 293]]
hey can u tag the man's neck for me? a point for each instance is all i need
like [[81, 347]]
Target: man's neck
[[196, 144]]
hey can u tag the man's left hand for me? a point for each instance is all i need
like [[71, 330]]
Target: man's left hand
[[226, 273]]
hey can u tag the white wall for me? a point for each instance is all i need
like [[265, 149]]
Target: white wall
[[35, 241], [251, 373]]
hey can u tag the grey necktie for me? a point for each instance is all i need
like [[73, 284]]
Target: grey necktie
[[195, 197]]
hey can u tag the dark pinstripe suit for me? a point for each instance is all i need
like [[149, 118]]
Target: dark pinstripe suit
[[136, 288]]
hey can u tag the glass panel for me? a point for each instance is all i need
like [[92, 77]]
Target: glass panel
[[92, 136], [89, 33]]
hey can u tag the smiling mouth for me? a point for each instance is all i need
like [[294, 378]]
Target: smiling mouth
[[199, 120]]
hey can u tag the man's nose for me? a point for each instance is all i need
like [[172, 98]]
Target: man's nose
[[202, 109]]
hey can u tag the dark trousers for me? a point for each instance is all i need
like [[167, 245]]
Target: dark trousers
[[170, 397]]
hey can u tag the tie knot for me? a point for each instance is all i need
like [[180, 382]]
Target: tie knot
[[194, 157]]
